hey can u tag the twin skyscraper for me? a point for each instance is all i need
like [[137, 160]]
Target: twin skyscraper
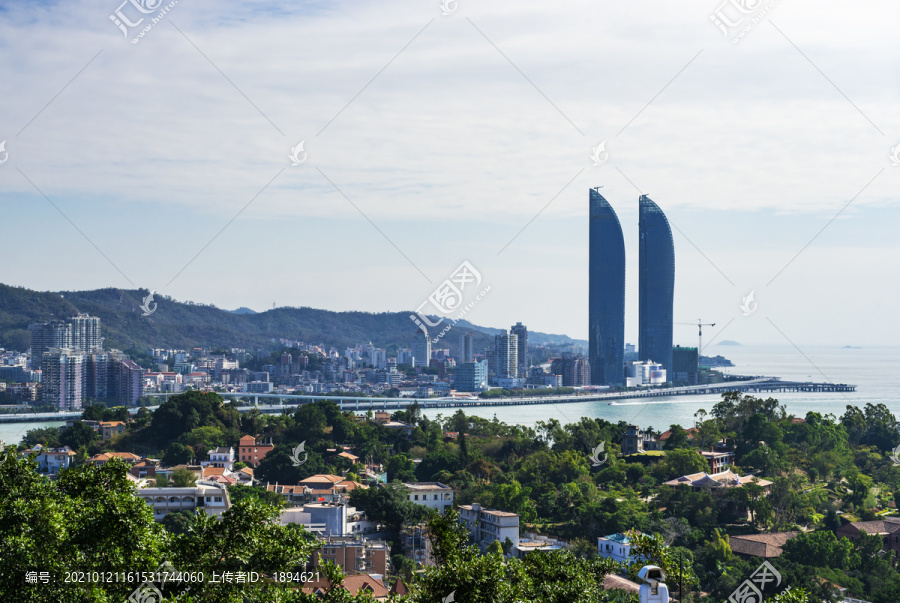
[[656, 282]]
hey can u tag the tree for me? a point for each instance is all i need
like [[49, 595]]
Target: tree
[[79, 436], [677, 439], [389, 505], [177, 454], [183, 478], [683, 461], [819, 549], [400, 468], [239, 492], [178, 522], [47, 437], [647, 549], [87, 520], [279, 466]]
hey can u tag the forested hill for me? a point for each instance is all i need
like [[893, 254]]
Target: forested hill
[[177, 324]]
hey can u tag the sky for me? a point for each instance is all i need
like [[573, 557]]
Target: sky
[[436, 134]]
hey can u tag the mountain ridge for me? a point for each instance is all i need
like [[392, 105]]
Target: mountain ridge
[[182, 325]]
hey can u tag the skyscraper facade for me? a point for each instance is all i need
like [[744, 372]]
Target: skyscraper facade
[[521, 333], [467, 347], [656, 285], [506, 351], [62, 382], [421, 348], [86, 332], [606, 294], [48, 335]]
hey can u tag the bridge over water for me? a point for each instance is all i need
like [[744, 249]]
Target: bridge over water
[[278, 403]]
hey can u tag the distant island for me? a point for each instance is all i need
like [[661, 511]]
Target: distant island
[[851, 347], [728, 342]]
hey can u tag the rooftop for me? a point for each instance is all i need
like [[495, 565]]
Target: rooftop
[[427, 486], [761, 545], [619, 538]]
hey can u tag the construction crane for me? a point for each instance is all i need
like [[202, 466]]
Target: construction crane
[[699, 324]]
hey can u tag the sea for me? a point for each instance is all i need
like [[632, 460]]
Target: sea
[[874, 370]]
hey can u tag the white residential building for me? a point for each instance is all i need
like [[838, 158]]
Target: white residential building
[[488, 525], [222, 458], [52, 460], [433, 495], [644, 373], [615, 546], [210, 497]]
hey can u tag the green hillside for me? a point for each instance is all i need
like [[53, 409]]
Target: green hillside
[[177, 324]]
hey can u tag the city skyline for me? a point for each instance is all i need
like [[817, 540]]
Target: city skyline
[[418, 130]]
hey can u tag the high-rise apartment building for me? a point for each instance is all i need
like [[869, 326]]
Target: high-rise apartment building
[[574, 370], [506, 351], [62, 383], [421, 348], [96, 375], [48, 335], [606, 291], [86, 332], [126, 381], [656, 285], [471, 376], [521, 333], [467, 347]]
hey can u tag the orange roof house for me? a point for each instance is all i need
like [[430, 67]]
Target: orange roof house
[[251, 452]]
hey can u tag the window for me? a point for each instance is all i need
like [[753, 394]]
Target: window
[[218, 499]]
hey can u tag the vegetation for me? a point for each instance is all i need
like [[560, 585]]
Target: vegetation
[[824, 471], [185, 325]]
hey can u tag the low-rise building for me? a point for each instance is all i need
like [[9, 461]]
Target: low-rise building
[[109, 429], [535, 542], [433, 495], [251, 452], [718, 461], [616, 547], [488, 525], [766, 546], [887, 527], [355, 585], [317, 488], [104, 457], [327, 519], [723, 479], [206, 496], [636, 441], [222, 458], [355, 555], [145, 469], [416, 545], [51, 460]]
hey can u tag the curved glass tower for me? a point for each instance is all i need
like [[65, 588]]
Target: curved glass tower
[[656, 286], [606, 296]]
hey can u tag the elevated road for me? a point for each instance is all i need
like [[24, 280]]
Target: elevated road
[[278, 403]]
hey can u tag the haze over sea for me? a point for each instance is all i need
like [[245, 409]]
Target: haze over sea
[[873, 370]]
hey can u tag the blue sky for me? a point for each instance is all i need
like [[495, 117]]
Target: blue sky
[[433, 139]]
